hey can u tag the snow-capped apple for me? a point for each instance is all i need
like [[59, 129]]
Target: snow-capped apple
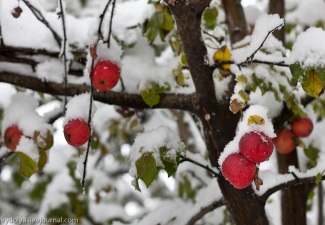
[[12, 137], [76, 132], [302, 127], [105, 75], [238, 170], [284, 141], [256, 146]]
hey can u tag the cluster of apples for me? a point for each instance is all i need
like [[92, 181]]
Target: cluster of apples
[[240, 168], [105, 76], [285, 140]]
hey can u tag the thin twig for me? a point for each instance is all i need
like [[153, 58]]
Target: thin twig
[[101, 17], [89, 124], [100, 37], [205, 210], [4, 158], [42, 19], [185, 159], [249, 58], [1, 38], [64, 51], [110, 24]]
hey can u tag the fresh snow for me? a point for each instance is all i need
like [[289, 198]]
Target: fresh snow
[[309, 49]]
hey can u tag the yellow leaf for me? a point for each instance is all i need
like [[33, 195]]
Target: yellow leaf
[[312, 84], [256, 119], [223, 55]]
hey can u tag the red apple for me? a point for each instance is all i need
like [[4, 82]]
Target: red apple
[[238, 171], [76, 132], [105, 75], [256, 146], [302, 127], [284, 141], [12, 137]]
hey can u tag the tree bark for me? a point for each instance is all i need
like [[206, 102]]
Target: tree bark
[[219, 123], [235, 19], [294, 199]]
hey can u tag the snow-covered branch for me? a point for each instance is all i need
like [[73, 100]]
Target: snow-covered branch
[[38, 14], [288, 184]]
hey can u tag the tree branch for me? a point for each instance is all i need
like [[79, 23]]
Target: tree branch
[[291, 183], [170, 101], [42, 19], [184, 159], [205, 210]]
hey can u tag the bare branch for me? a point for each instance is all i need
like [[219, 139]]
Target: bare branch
[[110, 24], [42, 19], [251, 57], [205, 210], [213, 173], [64, 49], [170, 101], [102, 15]]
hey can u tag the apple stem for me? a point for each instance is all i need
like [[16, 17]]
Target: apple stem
[[257, 181]]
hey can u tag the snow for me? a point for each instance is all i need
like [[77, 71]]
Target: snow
[[151, 141], [78, 108], [29, 121], [50, 70], [56, 192], [28, 147], [244, 127], [103, 212], [309, 48], [307, 13], [264, 24]]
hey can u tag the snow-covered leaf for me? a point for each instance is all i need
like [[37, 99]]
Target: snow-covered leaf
[[256, 119]]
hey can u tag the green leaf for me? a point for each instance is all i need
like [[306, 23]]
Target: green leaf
[[318, 178], [27, 165], [312, 153], [242, 78], [150, 96], [312, 84], [153, 25], [42, 159], [170, 164], [183, 59], [168, 22], [244, 95], [185, 189], [297, 71], [146, 168], [210, 17]]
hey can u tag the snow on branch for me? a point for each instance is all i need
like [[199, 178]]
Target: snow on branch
[[39, 15]]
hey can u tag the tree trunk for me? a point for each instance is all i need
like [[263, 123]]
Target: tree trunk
[[219, 123], [294, 199]]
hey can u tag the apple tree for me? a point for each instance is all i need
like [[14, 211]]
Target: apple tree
[[162, 112]]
